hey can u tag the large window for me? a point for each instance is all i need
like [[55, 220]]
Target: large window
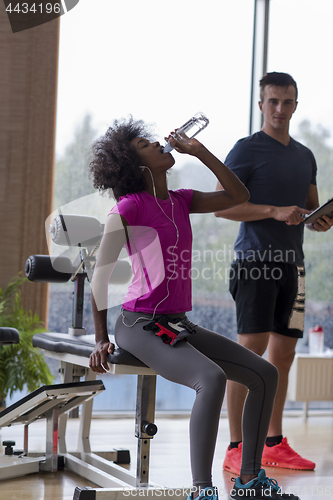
[[300, 38], [163, 62]]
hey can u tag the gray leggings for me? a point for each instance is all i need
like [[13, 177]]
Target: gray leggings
[[205, 363]]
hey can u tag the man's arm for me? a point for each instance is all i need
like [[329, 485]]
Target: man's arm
[[250, 212], [312, 199], [323, 223]]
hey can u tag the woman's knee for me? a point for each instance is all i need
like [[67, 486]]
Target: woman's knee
[[213, 379], [264, 375], [270, 375]]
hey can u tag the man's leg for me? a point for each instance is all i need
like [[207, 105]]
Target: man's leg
[[277, 452], [281, 353], [266, 305]]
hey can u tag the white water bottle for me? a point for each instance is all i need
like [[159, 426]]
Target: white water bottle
[[191, 128], [316, 340]]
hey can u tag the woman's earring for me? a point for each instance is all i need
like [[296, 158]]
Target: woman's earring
[[142, 168]]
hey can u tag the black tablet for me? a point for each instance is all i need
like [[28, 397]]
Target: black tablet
[[325, 209]]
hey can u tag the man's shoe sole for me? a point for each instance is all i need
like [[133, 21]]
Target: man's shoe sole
[[283, 466]]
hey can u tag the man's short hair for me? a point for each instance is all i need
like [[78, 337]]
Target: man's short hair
[[277, 79]]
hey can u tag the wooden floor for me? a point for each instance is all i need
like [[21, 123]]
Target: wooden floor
[[312, 438]]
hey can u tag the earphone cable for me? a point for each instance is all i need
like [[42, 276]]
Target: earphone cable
[[173, 253]]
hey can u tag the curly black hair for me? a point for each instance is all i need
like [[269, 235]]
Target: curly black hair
[[115, 164]]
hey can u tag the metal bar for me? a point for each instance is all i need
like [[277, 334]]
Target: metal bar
[[145, 413], [116, 471], [82, 493], [44, 407], [52, 429], [252, 67], [259, 59], [77, 319], [66, 371], [265, 51], [85, 420], [78, 400], [26, 439], [92, 473], [18, 467]]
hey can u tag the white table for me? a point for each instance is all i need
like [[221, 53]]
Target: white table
[[311, 378]]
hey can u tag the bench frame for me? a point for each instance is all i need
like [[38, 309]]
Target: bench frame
[[51, 403], [145, 411]]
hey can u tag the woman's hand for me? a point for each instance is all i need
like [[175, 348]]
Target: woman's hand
[[98, 358], [182, 144]]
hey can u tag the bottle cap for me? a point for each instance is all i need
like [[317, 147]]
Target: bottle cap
[[317, 328]]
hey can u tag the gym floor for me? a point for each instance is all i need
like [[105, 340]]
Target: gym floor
[[169, 462]]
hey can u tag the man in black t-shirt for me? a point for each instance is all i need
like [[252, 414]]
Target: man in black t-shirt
[[267, 277]]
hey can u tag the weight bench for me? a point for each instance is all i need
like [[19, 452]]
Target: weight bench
[[54, 402], [73, 351], [49, 402]]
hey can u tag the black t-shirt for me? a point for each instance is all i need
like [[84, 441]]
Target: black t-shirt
[[275, 175]]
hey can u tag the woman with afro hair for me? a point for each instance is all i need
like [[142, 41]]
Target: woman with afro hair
[[153, 224]]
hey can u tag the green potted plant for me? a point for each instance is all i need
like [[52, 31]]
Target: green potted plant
[[21, 365]]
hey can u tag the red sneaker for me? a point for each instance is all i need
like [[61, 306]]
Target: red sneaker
[[233, 459], [282, 455]]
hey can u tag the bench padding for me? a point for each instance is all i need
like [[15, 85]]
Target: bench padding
[[81, 346], [9, 336]]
